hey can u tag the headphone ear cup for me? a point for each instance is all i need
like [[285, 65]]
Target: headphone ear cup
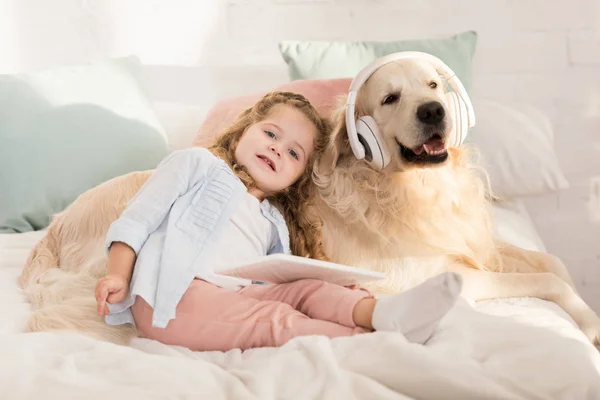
[[376, 150], [460, 119]]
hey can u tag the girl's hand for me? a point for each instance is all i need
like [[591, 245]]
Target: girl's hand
[[110, 289]]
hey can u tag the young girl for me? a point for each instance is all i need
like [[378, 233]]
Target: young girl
[[203, 209]]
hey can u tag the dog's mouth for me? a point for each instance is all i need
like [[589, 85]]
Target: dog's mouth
[[433, 151]]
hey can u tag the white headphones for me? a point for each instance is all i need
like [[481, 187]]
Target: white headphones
[[363, 134]]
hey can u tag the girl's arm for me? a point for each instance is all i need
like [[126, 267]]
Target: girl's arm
[[121, 260], [175, 175], [114, 287]]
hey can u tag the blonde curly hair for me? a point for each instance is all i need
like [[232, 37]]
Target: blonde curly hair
[[295, 201]]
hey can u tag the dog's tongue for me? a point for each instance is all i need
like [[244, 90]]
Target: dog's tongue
[[433, 144]]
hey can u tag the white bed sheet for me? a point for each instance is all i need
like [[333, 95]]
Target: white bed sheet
[[473, 355]]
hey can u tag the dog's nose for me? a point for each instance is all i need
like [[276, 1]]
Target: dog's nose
[[430, 113]]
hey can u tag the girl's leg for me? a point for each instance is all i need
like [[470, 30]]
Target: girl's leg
[[212, 318], [415, 313], [317, 299]]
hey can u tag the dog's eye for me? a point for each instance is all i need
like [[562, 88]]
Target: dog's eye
[[390, 99], [433, 85]]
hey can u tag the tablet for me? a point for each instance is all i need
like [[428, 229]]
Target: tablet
[[282, 268]]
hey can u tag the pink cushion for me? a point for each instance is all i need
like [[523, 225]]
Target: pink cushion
[[322, 93]]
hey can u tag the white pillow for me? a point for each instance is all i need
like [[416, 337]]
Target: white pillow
[[181, 121], [517, 149]]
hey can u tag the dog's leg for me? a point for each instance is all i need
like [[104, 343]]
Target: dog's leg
[[484, 285], [517, 259]]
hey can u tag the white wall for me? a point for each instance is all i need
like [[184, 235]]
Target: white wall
[[544, 52]]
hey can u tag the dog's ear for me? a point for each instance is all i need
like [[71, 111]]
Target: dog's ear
[[337, 144]]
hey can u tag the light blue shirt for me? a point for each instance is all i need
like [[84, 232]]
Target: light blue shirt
[[173, 222]]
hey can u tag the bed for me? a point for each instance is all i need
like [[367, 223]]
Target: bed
[[503, 349]]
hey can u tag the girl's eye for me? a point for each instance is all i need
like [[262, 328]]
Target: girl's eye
[[294, 154], [271, 134]]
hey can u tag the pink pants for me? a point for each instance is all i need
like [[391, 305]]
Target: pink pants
[[211, 318]]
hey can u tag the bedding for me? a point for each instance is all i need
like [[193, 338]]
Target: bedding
[[322, 93], [326, 60], [72, 118], [514, 142], [501, 349]]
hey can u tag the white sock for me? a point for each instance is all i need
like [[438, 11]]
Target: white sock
[[416, 312]]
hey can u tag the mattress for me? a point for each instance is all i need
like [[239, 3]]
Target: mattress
[[502, 349]]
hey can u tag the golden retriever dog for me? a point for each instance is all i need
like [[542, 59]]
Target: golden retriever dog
[[61, 271], [425, 213]]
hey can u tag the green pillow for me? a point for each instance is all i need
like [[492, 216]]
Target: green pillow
[[68, 129], [328, 60]]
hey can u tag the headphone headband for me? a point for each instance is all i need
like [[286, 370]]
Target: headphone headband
[[367, 71]]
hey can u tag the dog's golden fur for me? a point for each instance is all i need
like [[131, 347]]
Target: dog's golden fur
[[409, 221], [413, 221], [62, 269]]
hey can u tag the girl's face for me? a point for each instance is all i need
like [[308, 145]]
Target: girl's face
[[275, 150]]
